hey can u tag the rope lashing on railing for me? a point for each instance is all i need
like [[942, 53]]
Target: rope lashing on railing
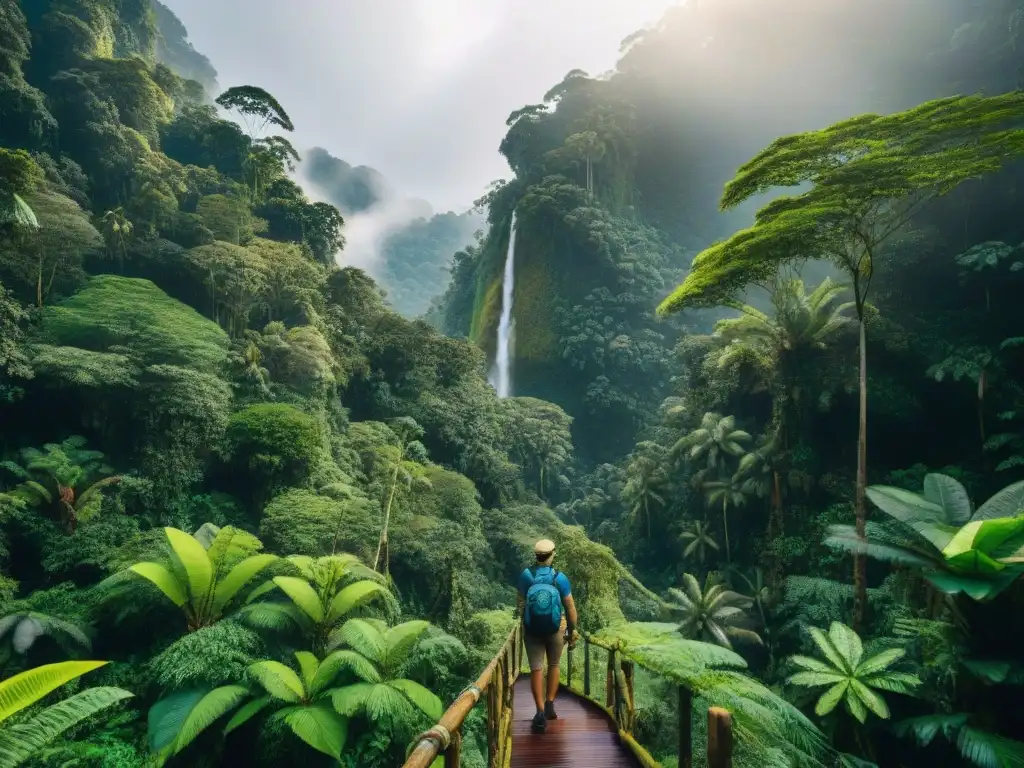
[[439, 735], [474, 691]]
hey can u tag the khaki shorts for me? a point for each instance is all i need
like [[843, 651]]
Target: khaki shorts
[[539, 647]]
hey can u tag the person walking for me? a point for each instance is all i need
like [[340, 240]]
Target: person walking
[[549, 623]]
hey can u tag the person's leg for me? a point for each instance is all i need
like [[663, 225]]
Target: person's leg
[[553, 651], [535, 649], [537, 687]]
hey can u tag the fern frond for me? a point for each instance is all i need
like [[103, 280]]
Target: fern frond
[[28, 687], [21, 741]]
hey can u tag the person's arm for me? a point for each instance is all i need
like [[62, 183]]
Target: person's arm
[[570, 613]]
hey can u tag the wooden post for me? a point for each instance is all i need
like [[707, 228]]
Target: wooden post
[[586, 667], [494, 718], [685, 727], [627, 673], [568, 668], [719, 738], [453, 755], [609, 682]]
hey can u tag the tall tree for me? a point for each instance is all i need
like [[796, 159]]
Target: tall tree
[[868, 177]]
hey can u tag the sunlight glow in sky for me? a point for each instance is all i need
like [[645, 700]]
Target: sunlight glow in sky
[[418, 89]]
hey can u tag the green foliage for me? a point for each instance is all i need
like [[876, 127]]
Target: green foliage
[[257, 106], [204, 574], [18, 742], [712, 614], [213, 655], [126, 315], [303, 521], [330, 590], [273, 446], [67, 478], [958, 549], [882, 167], [851, 678]]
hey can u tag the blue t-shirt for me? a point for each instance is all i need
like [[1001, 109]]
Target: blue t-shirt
[[561, 581]]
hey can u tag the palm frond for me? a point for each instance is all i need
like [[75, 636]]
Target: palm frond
[[19, 742]]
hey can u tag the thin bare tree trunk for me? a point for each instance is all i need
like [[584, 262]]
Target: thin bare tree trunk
[[860, 503], [382, 545]]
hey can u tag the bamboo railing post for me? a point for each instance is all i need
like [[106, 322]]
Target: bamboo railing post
[[568, 669], [438, 740], [609, 682], [719, 738], [628, 671], [685, 727], [586, 667], [453, 755]]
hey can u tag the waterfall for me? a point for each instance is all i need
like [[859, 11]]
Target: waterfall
[[501, 374]]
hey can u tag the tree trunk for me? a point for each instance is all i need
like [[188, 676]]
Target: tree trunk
[[860, 597], [725, 524], [382, 545], [981, 405], [647, 514], [39, 283]]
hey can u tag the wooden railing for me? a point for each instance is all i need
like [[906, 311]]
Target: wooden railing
[[497, 681], [620, 704]]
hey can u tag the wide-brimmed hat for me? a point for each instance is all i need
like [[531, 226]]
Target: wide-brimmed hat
[[544, 550]]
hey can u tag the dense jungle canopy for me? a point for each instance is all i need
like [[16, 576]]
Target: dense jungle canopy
[[767, 386]]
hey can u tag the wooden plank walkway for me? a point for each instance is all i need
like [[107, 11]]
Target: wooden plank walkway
[[581, 737]]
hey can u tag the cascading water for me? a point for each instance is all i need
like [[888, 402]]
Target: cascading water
[[501, 373]]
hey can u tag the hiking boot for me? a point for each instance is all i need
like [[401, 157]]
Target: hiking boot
[[539, 723], [549, 711]]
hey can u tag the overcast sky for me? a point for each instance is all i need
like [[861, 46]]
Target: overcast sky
[[418, 89]]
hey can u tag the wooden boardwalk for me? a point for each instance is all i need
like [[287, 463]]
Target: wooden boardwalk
[[581, 737]]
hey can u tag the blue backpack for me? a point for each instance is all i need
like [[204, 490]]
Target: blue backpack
[[543, 614]]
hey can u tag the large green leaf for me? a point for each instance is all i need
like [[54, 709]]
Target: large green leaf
[[423, 699], [829, 651], [319, 726], [1008, 502], [983, 535], [280, 681], [363, 636], [400, 639], [195, 562], [816, 679], [176, 720], [237, 578], [953, 584], [26, 688], [871, 699], [925, 728], [351, 699], [988, 750], [354, 596], [848, 643], [302, 595], [164, 580], [351, 660], [20, 741], [949, 494], [845, 538], [308, 666], [879, 661], [246, 712], [905, 506], [830, 698]]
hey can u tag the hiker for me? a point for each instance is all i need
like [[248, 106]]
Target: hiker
[[549, 622]]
